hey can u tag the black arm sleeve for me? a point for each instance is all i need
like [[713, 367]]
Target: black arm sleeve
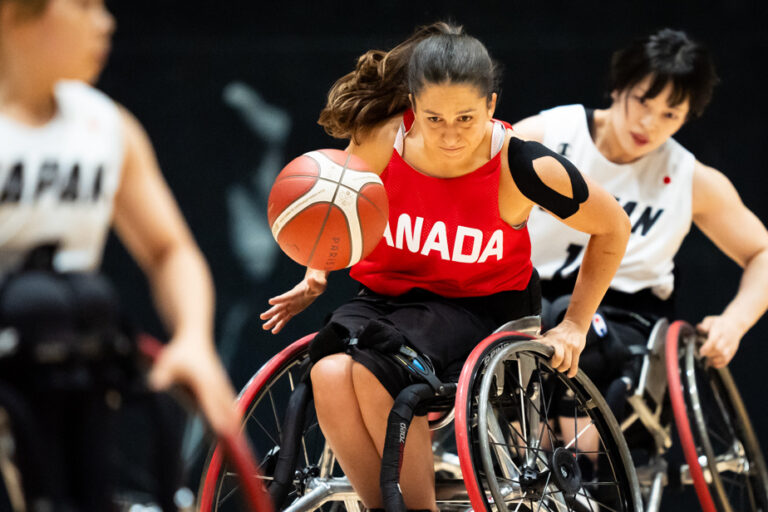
[[521, 156]]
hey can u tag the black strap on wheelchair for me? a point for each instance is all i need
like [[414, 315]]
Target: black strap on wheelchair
[[398, 422], [394, 443], [290, 443]]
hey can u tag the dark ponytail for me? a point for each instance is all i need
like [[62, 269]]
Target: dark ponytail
[[378, 88]]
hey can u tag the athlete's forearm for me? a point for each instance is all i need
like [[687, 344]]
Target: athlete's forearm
[[751, 300], [183, 291], [601, 260]]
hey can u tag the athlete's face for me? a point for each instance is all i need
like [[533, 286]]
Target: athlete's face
[[452, 118], [642, 125], [71, 38]]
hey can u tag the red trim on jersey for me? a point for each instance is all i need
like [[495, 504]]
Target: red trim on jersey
[[446, 235]]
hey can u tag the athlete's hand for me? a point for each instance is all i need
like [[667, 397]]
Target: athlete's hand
[[291, 303], [568, 340], [193, 363], [723, 337]]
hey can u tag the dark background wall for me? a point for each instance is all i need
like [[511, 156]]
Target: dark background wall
[[173, 60]]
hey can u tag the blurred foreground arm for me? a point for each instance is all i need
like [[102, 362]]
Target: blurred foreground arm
[[151, 226]]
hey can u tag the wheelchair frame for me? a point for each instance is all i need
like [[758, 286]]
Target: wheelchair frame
[[662, 384], [461, 489], [15, 413]]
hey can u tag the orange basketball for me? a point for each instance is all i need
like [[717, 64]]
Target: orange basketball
[[327, 210]]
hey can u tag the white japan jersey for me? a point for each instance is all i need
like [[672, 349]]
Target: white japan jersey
[[655, 191], [58, 181]]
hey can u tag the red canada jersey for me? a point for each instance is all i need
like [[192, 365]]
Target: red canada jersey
[[446, 235]]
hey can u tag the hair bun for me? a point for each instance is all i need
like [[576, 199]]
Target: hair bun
[[369, 67]]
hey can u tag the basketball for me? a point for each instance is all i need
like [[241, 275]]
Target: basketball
[[327, 210]]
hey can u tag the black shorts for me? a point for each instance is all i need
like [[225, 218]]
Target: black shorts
[[444, 329]]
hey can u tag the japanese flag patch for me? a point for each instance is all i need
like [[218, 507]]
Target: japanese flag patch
[[599, 325]]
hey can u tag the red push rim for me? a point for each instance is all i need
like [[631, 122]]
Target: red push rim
[[461, 425], [239, 452], [681, 416], [247, 394]]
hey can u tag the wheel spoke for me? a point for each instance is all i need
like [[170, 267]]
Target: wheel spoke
[[538, 411], [600, 504], [502, 453], [547, 405], [263, 428], [732, 481], [510, 480], [599, 484], [717, 436], [546, 484], [498, 443], [229, 494], [751, 495], [304, 448], [588, 498], [575, 439], [274, 413], [232, 474]]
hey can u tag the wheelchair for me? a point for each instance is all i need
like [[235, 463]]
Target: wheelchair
[[723, 459], [68, 364], [497, 444]]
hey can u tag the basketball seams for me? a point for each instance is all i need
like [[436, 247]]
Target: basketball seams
[[330, 180], [341, 173], [360, 192], [373, 203], [347, 203], [347, 225], [313, 155], [339, 235], [300, 204], [319, 234]]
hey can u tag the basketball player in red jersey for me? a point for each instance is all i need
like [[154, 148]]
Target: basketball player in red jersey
[[454, 263], [49, 51]]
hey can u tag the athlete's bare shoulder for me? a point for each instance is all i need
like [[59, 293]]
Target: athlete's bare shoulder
[[712, 190], [374, 144]]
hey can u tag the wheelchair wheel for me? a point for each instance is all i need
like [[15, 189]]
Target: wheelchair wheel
[[513, 457], [263, 403], [724, 457]]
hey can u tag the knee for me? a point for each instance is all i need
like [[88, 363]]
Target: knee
[[331, 374]]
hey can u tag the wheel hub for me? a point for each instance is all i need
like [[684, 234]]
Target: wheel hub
[[566, 473], [533, 482]]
